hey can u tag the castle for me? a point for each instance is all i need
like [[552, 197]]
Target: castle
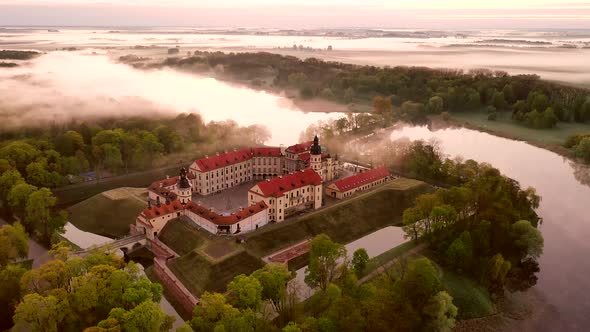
[[291, 180]]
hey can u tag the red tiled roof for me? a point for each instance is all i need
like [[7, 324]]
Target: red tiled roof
[[231, 219], [305, 156], [266, 151], [163, 209], [278, 186], [361, 179], [165, 183], [223, 160], [204, 212], [164, 193], [301, 147]]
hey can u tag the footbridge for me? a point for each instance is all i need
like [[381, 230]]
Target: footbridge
[[126, 245]]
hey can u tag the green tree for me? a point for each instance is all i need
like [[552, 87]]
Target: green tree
[[549, 118], [14, 243], [527, 238], [582, 150], [495, 277], [8, 180], [245, 292], [440, 313], [360, 258], [297, 80], [213, 308], [435, 104], [274, 279], [70, 142], [147, 316], [39, 214], [382, 105], [460, 252], [10, 293], [324, 258], [20, 154], [291, 327], [349, 94], [41, 313]]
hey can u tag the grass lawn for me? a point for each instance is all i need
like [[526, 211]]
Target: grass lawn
[[472, 299], [180, 237], [504, 124], [343, 222], [390, 254], [199, 274], [109, 213]]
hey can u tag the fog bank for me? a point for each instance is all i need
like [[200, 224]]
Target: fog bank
[[60, 86]]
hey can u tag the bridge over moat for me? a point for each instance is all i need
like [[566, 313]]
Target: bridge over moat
[[126, 245]]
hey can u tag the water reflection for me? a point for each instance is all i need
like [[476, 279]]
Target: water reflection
[[565, 195], [375, 243]]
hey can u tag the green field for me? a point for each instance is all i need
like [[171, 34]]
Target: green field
[[199, 274], [109, 213], [343, 222], [506, 126], [472, 299], [180, 237]]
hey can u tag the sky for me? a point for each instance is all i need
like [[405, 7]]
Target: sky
[[458, 14]]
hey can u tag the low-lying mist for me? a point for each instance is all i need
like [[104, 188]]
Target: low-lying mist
[[61, 86]]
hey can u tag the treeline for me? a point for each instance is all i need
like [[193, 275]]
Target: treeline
[[535, 102], [69, 293], [484, 225], [45, 156], [580, 144], [17, 55]]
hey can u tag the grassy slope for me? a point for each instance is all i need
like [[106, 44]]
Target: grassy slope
[[387, 256], [199, 274], [105, 216], [180, 237], [472, 299], [343, 222], [504, 124]]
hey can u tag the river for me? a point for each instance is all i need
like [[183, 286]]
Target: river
[[563, 279], [375, 243]]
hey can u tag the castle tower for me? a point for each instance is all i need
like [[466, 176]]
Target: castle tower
[[316, 156], [184, 187]]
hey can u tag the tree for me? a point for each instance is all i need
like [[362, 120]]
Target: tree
[[527, 238], [14, 243], [440, 313], [213, 308], [324, 258], [297, 80], [360, 258], [382, 105], [495, 277], [436, 105], [291, 327], [582, 150], [40, 313], [349, 94], [10, 293], [549, 118], [147, 316], [39, 214], [508, 92], [20, 154], [70, 142], [8, 180], [274, 279], [245, 292], [327, 93], [460, 252]]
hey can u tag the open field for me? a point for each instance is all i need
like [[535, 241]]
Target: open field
[[472, 299], [199, 274], [343, 222], [180, 237], [73, 194], [109, 213], [505, 126]]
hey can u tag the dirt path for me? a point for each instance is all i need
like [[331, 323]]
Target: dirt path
[[383, 268]]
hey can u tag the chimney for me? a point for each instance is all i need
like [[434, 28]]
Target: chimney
[[149, 204], [206, 156], [161, 184], [210, 209], [167, 200], [217, 153], [267, 180], [167, 176], [241, 208], [158, 201]]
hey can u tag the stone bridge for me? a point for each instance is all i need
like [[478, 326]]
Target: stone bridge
[[126, 245]]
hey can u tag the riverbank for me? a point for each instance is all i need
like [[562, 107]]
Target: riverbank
[[548, 139]]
